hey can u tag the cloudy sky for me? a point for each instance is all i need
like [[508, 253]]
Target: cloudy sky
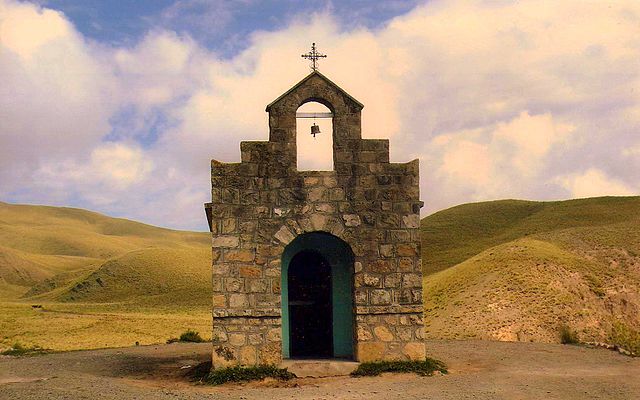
[[118, 106]]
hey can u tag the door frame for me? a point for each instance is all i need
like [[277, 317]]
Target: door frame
[[339, 255]]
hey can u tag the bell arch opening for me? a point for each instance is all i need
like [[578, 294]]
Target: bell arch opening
[[314, 136], [317, 297]]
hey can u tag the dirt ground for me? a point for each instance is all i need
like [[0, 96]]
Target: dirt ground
[[478, 370]]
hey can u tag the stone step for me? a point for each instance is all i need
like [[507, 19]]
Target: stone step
[[319, 368]]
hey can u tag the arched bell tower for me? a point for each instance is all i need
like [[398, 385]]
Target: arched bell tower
[[315, 87], [366, 208]]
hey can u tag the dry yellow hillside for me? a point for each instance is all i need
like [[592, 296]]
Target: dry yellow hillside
[[573, 263], [46, 252], [150, 276], [100, 281]]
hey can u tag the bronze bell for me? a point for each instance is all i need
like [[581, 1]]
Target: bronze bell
[[315, 129]]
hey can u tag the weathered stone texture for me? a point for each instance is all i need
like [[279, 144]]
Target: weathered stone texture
[[261, 204]]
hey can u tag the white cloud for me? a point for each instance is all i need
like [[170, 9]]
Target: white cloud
[[499, 160], [631, 151], [25, 30], [507, 99], [157, 70], [593, 182], [468, 161], [55, 96], [110, 171], [531, 138], [120, 165]]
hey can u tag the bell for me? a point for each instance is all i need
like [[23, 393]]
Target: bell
[[315, 129]]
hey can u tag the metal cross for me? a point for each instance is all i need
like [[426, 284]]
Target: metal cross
[[313, 55]]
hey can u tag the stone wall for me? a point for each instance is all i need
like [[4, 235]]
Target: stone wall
[[261, 204]]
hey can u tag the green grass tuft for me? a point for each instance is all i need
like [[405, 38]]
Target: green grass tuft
[[191, 336], [188, 336], [246, 374], [568, 335], [423, 368]]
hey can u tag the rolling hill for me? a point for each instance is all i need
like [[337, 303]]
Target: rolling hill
[[500, 270], [519, 270], [148, 276], [67, 254]]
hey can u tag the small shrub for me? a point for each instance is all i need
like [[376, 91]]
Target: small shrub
[[423, 368], [625, 338], [246, 374], [188, 336], [20, 350], [191, 336], [568, 335]]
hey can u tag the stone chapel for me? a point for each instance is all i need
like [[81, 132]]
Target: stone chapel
[[315, 264]]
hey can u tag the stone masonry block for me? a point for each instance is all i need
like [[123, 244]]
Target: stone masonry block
[[411, 221], [284, 235], [237, 300], [233, 284], [411, 280], [380, 297], [383, 333], [371, 351], [225, 241], [247, 271], [351, 220], [239, 255]]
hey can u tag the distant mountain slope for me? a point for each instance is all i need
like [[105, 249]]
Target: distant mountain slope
[[75, 232], [458, 233], [48, 251], [515, 270]]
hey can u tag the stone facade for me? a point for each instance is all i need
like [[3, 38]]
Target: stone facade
[[263, 203]]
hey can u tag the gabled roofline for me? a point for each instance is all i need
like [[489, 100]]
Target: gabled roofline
[[307, 78]]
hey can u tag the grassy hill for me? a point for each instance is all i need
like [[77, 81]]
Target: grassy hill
[[102, 281], [54, 253], [149, 276], [502, 270], [519, 270]]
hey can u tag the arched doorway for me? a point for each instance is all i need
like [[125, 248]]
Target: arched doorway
[[317, 297]]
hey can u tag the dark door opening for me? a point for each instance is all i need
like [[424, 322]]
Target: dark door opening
[[310, 308]]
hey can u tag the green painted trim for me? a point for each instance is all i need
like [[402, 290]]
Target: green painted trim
[[341, 275], [339, 255], [284, 290]]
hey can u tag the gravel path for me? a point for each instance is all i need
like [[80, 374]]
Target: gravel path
[[478, 370]]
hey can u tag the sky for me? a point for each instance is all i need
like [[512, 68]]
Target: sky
[[119, 106]]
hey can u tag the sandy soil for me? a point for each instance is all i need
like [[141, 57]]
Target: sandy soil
[[478, 370]]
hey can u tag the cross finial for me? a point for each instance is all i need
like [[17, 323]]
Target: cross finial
[[313, 55]]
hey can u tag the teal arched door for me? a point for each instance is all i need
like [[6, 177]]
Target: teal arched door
[[317, 297]]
